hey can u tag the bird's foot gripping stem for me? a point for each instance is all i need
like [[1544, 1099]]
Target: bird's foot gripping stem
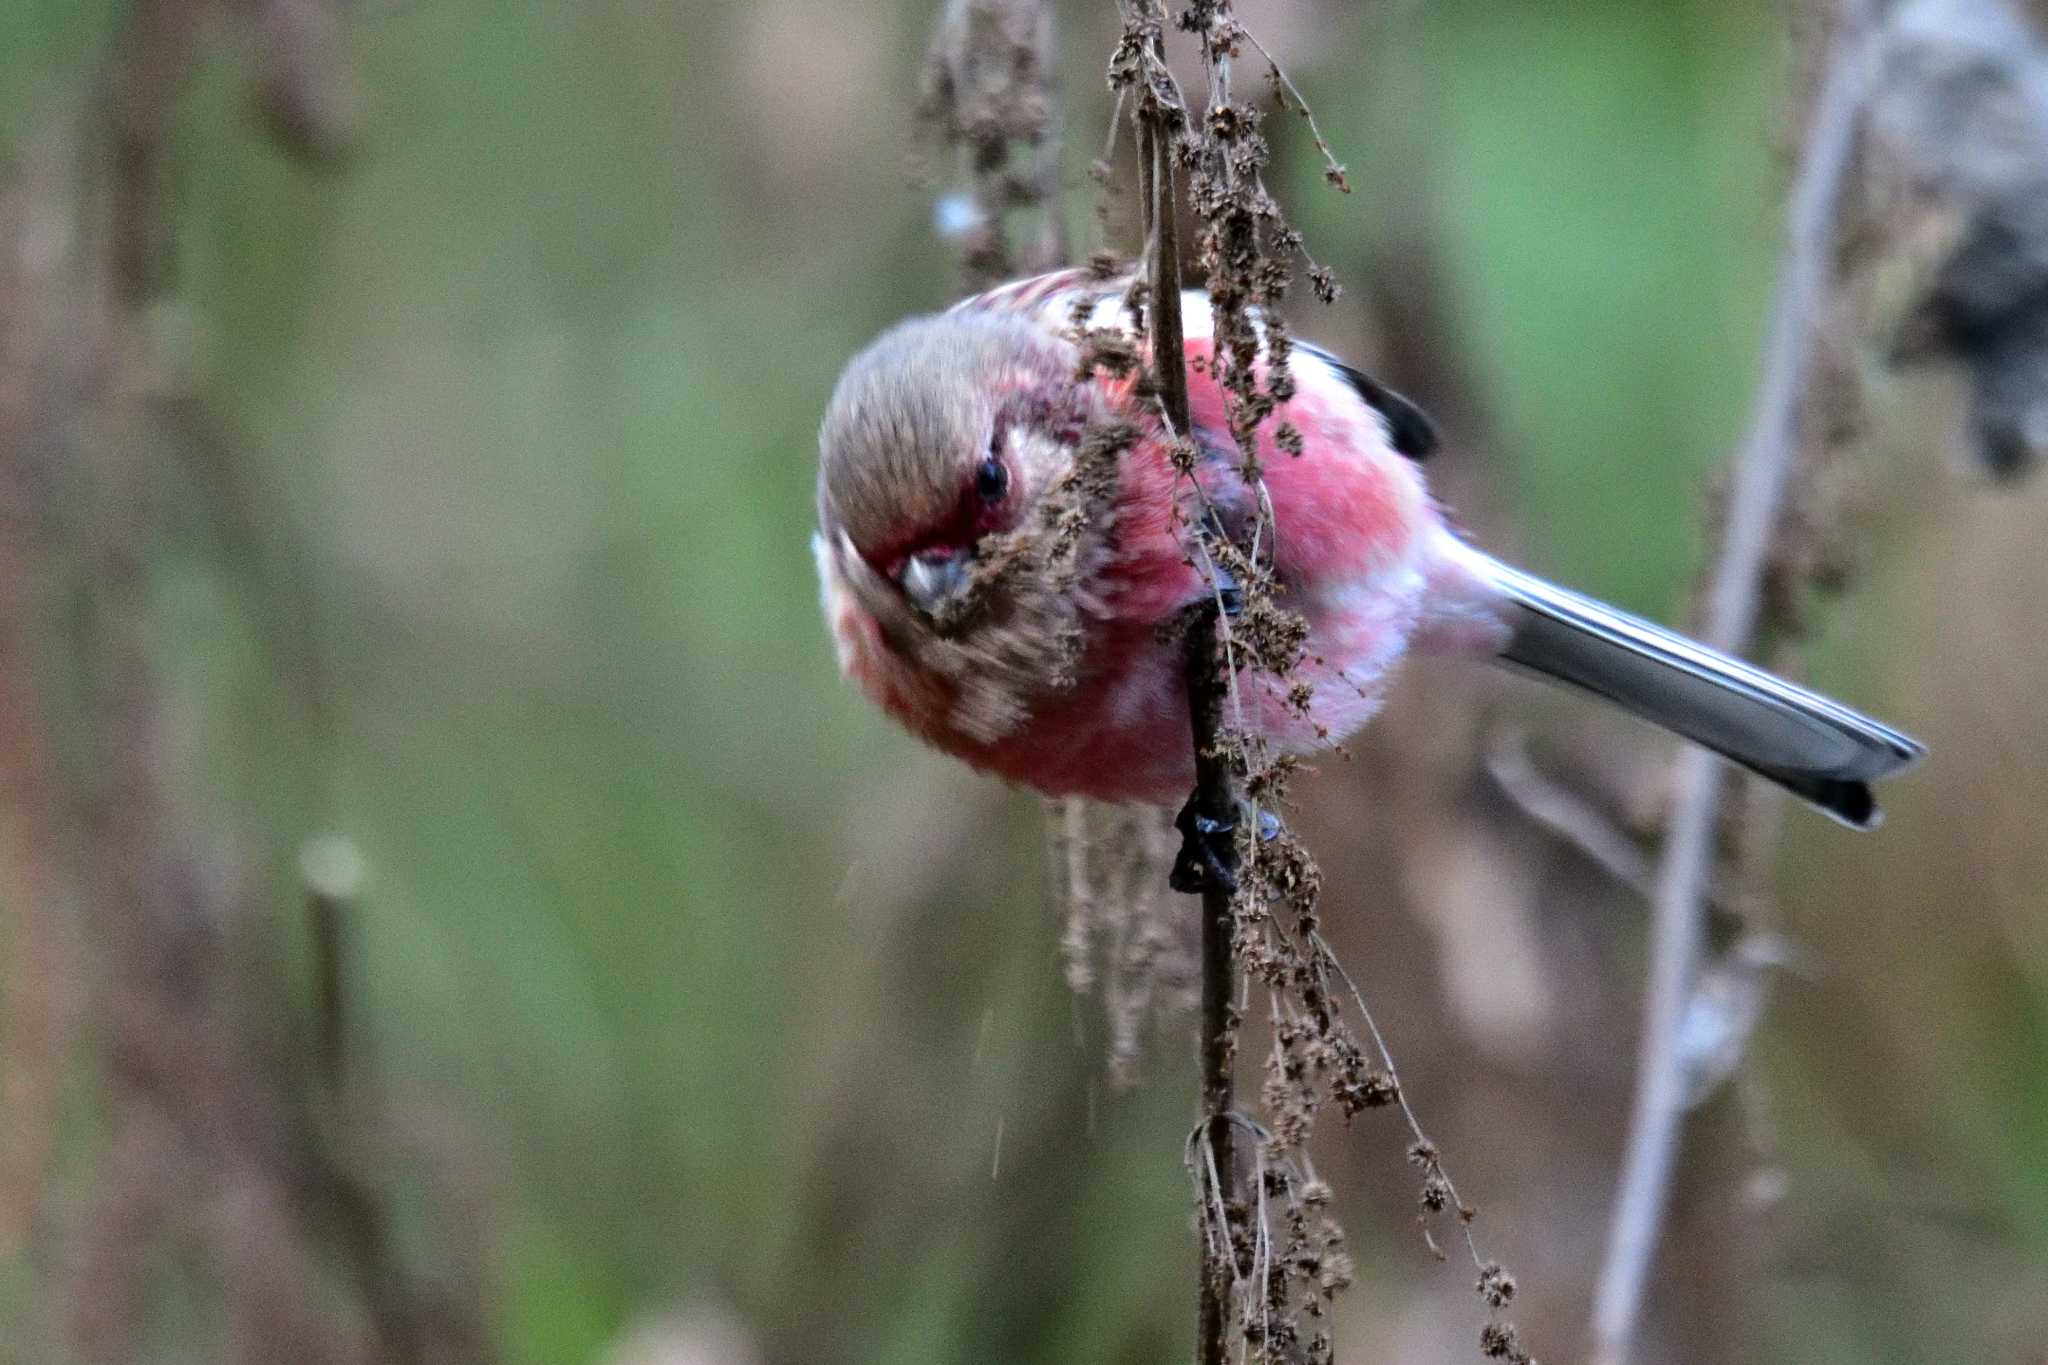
[[1208, 853], [1208, 849]]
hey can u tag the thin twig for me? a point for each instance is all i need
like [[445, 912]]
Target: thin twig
[[1290, 97], [324, 913], [1761, 473], [1326, 960], [1565, 813]]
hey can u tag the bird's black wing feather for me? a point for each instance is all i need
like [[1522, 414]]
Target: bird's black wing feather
[[1410, 429]]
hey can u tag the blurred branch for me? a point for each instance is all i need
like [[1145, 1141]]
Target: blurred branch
[[207, 1108], [1959, 158], [986, 98], [153, 55], [305, 87], [1763, 470], [1566, 812], [341, 1196], [35, 218]]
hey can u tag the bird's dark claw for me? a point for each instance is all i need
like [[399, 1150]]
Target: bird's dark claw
[[1208, 849], [1229, 593], [1208, 852]]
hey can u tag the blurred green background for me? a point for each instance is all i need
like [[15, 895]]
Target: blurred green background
[[742, 1018]]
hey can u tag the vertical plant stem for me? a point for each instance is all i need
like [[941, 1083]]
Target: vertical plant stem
[[1169, 346], [1215, 785], [324, 913], [1762, 471], [1216, 799]]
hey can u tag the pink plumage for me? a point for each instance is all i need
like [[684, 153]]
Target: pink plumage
[[942, 456]]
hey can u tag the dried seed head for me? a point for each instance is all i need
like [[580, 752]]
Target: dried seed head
[[1495, 1285]]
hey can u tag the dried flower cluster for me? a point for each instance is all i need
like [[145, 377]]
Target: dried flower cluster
[[1279, 1243]]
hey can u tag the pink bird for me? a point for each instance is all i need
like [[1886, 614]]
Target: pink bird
[[1009, 615]]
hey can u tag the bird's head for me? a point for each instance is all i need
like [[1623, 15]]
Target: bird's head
[[942, 454], [942, 434]]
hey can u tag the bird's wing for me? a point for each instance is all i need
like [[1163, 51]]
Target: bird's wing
[[1408, 426]]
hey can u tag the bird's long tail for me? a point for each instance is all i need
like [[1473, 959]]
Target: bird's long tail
[[1817, 749]]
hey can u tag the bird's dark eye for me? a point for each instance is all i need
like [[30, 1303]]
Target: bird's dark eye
[[992, 480]]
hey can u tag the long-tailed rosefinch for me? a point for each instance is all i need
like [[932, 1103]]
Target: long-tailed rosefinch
[[1003, 543]]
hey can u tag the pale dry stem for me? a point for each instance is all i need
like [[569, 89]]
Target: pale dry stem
[[1763, 471]]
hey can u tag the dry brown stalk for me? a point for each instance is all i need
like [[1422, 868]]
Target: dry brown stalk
[[1763, 472]]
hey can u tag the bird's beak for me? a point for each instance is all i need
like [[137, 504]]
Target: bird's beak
[[931, 578]]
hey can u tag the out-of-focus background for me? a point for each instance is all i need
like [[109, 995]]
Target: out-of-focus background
[[451, 910]]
